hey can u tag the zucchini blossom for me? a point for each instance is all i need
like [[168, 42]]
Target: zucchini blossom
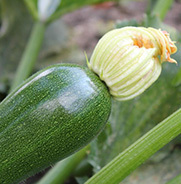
[[129, 59]]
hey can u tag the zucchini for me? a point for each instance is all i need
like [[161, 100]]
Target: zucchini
[[51, 115]]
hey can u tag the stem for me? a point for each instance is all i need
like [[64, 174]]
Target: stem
[[30, 54], [83, 169], [139, 152], [32, 7], [162, 7], [175, 180], [62, 170], [150, 6]]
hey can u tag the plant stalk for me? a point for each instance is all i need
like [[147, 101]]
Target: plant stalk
[[63, 169], [139, 152], [175, 180], [30, 54], [162, 7]]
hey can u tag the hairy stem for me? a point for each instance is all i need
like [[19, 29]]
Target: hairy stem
[[30, 54]]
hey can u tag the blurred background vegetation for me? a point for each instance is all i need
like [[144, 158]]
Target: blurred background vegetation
[[65, 41]]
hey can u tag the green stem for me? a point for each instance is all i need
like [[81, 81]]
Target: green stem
[[150, 5], [32, 7], [162, 7], [62, 170], [175, 180], [30, 54], [139, 152], [83, 169]]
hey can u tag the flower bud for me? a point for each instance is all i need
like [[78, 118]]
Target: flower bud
[[129, 59]]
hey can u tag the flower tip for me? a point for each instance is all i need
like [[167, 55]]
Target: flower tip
[[172, 61], [170, 48]]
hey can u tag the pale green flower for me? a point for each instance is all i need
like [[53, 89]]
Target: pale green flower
[[129, 59]]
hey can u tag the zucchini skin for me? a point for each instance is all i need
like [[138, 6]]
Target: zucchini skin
[[51, 115]]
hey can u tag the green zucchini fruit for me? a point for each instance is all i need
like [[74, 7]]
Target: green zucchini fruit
[[51, 115]]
